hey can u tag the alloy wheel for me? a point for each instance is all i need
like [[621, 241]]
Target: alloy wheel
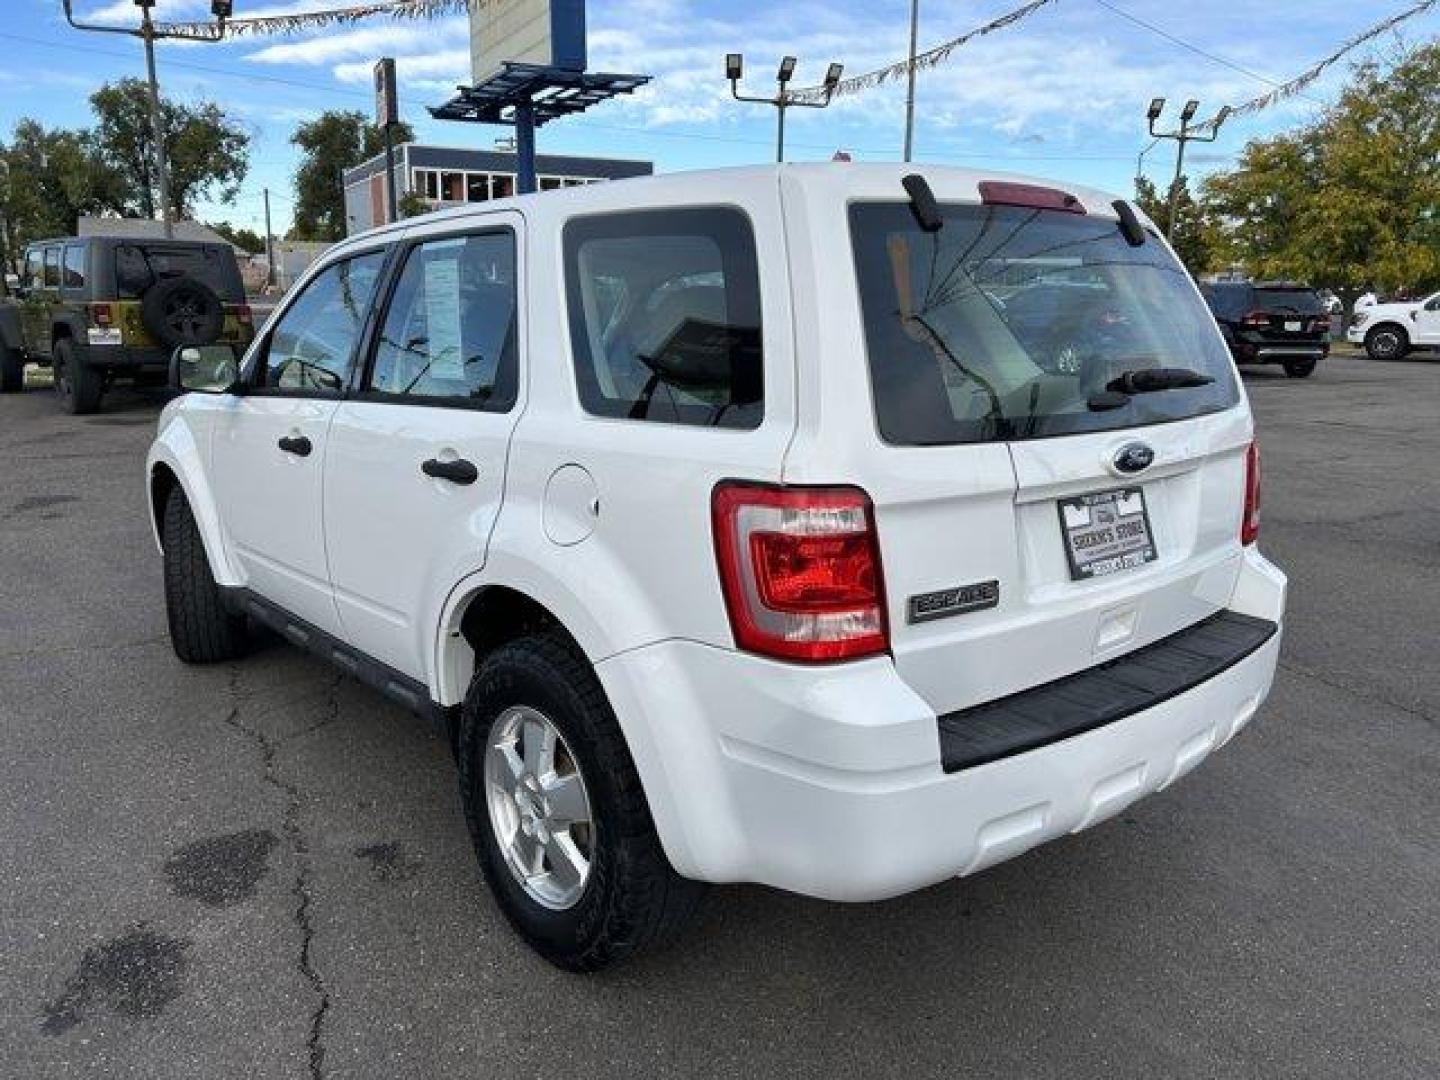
[[539, 807]]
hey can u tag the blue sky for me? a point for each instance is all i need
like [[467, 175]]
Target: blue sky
[[1061, 95]]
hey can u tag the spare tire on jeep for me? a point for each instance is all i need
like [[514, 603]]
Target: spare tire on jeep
[[182, 311]]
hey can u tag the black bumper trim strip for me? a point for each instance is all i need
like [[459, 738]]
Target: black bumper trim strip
[[1100, 695]]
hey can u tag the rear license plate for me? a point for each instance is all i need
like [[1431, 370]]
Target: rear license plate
[[1106, 532], [1294, 327]]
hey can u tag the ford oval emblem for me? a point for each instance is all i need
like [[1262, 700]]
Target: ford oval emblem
[[1133, 458]]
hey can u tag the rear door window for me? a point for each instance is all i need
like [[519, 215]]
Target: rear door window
[[74, 267], [1011, 323], [450, 332], [664, 312], [52, 267]]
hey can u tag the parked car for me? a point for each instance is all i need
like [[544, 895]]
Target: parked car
[[1389, 331], [1272, 322], [732, 533], [100, 308]]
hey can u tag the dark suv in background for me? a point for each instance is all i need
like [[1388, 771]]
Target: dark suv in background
[[99, 308], [1267, 322]]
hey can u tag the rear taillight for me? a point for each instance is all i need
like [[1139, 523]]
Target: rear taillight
[[244, 314], [1250, 522], [1257, 319], [1321, 325], [800, 569], [102, 315]]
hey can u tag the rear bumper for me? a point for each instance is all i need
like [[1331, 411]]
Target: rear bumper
[[830, 781], [1275, 353], [127, 357]]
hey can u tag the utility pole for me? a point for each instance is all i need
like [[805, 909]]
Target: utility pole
[[1185, 134], [910, 79], [149, 34], [269, 245], [783, 99]]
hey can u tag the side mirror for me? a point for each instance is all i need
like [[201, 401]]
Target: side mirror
[[204, 369]]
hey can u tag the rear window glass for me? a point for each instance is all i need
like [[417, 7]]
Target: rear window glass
[[1304, 301], [139, 266], [1228, 301], [665, 316], [1008, 323]]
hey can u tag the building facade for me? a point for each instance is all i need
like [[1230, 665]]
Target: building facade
[[452, 176]]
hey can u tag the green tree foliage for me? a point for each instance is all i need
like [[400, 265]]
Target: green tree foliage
[[245, 239], [1350, 200], [208, 154], [50, 178], [1194, 237], [332, 142]]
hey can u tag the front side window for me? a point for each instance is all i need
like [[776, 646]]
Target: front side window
[[52, 268], [312, 347], [451, 327], [664, 312], [1015, 323], [74, 267]]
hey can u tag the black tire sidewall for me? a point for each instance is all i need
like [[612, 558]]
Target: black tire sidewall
[[80, 386], [1401, 339], [152, 311], [1301, 369], [518, 674]]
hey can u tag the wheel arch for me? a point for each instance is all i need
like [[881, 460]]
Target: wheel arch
[[174, 462], [1389, 324]]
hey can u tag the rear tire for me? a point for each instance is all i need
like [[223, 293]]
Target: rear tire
[[1300, 369], [12, 370], [202, 630], [80, 386], [1387, 343], [630, 899]]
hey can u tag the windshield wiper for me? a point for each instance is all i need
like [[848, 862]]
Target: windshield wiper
[[1150, 380]]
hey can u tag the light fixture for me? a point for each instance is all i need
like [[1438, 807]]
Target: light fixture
[[1157, 106], [1223, 115], [222, 9], [1188, 113], [832, 76], [787, 69], [734, 66]]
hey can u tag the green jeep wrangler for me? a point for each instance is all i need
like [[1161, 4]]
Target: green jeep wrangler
[[97, 308]]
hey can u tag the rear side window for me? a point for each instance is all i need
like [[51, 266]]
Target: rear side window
[[74, 267], [450, 330], [1013, 323], [664, 312], [52, 267], [1228, 301], [312, 348]]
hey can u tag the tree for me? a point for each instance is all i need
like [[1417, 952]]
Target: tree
[[1348, 201], [1194, 235], [245, 239], [207, 153], [413, 204], [331, 143], [52, 178]]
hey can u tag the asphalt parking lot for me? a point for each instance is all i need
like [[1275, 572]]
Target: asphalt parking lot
[[261, 869]]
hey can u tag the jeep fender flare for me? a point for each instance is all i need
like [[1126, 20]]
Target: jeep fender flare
[[175, 450]]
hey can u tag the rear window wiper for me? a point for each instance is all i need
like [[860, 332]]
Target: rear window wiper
[[1150, 380]]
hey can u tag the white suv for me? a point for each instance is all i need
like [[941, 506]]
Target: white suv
[[839, 528]]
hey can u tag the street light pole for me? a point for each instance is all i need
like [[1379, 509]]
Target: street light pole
[[148, 34], [783, 99], [1184, 135], [910, 79]]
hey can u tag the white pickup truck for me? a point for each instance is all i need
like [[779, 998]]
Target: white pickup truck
[[839, 528], [1389, 331]]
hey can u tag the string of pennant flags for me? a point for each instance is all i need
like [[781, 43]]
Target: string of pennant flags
[[296, 22], [1309, 75]]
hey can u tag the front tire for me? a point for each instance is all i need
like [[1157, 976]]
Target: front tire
[[202, 629], [557, 814], [1387, 343], [80, 386], [12, 370]]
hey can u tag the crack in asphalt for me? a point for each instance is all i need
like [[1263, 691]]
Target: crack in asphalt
[[1364, 693], [269, 748]]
